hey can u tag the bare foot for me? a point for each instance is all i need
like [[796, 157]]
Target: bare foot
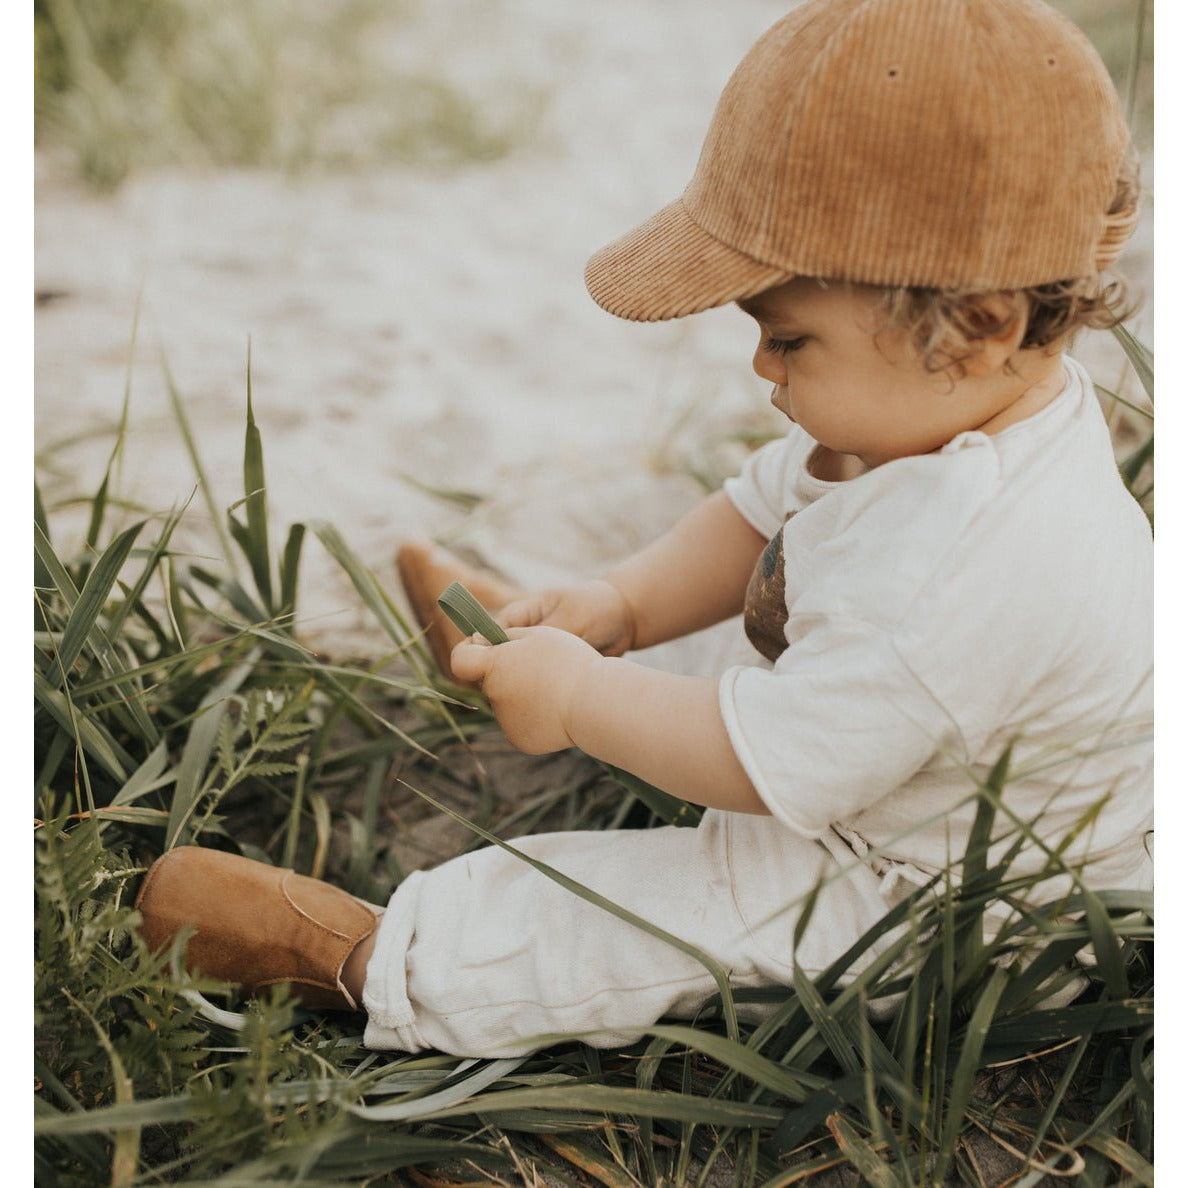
[[425, 570]]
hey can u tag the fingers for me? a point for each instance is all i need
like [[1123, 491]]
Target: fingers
[[471, 659], [524, 612]]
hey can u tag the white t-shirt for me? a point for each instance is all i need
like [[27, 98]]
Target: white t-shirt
[[939, 608]]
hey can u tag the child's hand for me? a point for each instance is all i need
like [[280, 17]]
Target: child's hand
[[593, 610], [529, 681]]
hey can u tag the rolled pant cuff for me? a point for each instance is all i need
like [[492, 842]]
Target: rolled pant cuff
[[390, 1016]]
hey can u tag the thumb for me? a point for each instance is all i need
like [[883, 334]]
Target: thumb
[[471, 659]]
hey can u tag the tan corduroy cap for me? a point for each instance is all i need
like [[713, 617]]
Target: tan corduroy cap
[[969, 144]]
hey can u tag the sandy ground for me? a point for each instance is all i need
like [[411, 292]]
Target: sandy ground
[[418, 323]]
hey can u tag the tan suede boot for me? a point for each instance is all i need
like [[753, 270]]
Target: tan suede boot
[[255, 925], [425, 570]]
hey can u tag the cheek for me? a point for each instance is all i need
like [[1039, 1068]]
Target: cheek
[[808, 413], [827, 411], [806, 404]]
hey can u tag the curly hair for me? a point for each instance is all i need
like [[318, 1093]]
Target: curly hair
[[946, 324]]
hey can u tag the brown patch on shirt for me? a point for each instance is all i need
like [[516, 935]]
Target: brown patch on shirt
[[765, 612]]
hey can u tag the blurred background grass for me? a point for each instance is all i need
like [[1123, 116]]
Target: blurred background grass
[[1124, 34], [122, 85]]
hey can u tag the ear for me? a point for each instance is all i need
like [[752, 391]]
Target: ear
[[996, 325]]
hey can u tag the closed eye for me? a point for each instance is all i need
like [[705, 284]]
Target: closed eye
[[783, 346]]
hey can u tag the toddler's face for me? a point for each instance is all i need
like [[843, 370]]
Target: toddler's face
[[852, 386]]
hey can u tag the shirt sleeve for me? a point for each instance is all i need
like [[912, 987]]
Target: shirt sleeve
[[764, 490], [836, 725]]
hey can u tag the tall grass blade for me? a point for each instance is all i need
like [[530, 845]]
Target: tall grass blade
[[968, 1063], [39, 516], [968, 940], [187, 433], [1057, 1098], [1057, 957], [794, 1084], [1141, 357], [1141, 1071], [1133, 463], [825, 1022], [1136, 62], [41, 574], [56, 575], [1111, 397], [99, 502], [604, 1099], [256, 544], [466, 500], [596, 1166], [104, 1119], [54, 754], [400, 1111], [199, 747], [670, 809], [133, 597], [91, 736], [126, 1145], [293, 829], [82, 624], [178, 618], [240, 600], [860, 1153], [1105, 946], [366, 584], [800, 1124], [321, 815], [645, 1076], [91, 600], [145, 778], [98, 507], [1125, 1157], [1015, 1037], [290, 563]]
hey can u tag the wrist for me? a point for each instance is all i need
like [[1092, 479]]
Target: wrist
[[578, 712], [628, 611]]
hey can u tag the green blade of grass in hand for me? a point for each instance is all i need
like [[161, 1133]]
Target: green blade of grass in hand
[[468, 616]]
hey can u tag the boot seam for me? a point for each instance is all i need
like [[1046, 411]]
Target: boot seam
[[285, 980], [346, 936]]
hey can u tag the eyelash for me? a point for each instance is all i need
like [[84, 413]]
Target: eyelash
[[783, 346]]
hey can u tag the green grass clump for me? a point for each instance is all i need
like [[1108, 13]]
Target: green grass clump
[[176, 704]]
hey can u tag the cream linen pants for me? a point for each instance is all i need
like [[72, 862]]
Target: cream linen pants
[[486, 956]]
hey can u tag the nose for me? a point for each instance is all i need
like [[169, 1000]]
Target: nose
[[769, 366]]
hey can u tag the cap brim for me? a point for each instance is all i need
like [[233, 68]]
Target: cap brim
[[669, 267]]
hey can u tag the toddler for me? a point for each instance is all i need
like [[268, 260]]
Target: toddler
[[914, 200]]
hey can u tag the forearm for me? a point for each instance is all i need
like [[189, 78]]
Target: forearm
[[695, 575], [664, 728]]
